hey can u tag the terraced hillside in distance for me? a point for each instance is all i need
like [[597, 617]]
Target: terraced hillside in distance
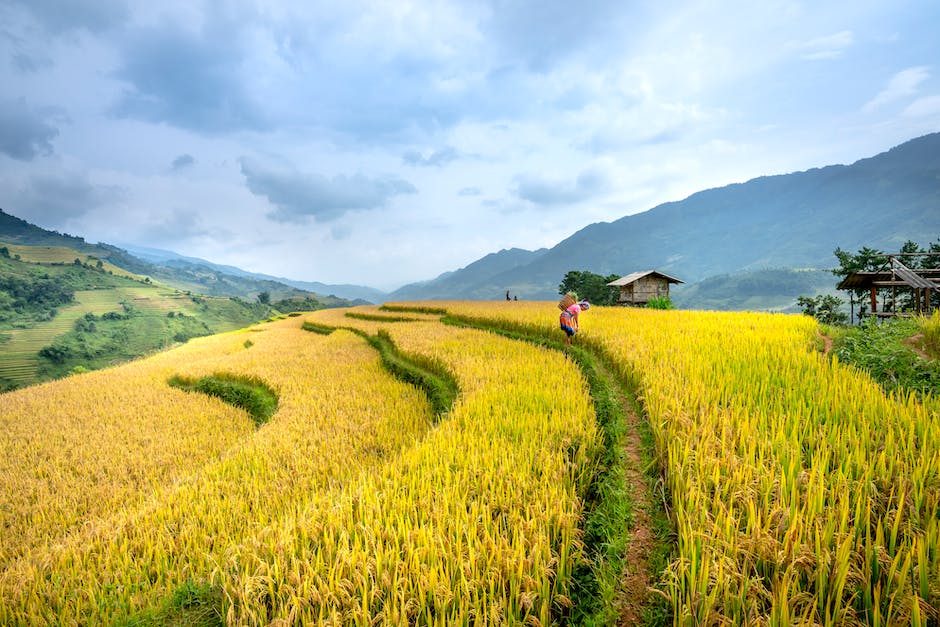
[[443, 463], [19, 359], [61, 255], [63, 311]]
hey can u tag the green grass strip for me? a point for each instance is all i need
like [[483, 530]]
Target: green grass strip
[[313, 327], [379, 318], [248, 393], [428, 375], [434, 311], [609, 501], [191, 605]]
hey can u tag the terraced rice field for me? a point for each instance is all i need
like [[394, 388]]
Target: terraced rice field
[[155, 300], [18, 357], [800, 493]]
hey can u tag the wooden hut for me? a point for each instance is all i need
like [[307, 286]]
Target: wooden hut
[[923, 282], [638, 288]]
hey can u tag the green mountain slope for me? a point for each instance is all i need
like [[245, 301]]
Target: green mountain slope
[[792, 220], [67, 305], [57, 316], [475, 281], [361, 294], [187, 275]]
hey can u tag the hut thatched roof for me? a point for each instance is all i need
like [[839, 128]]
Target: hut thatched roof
[[636, 276], [923, 279]]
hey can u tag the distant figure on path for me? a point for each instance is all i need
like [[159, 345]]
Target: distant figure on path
[[507, 295]]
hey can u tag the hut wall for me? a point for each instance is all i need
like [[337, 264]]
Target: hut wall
[[643, 289]]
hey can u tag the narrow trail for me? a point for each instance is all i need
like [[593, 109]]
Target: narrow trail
[[915, 344], [626, 510], [632, 595]]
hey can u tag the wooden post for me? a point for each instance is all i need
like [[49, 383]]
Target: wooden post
[[874, 300]]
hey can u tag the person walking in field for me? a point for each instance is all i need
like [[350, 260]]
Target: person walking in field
[[568, 321]]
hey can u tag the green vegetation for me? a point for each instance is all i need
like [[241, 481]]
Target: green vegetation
[[659, 302], [191, 605], [61, 317], [590, 286], [883, 349], [248, 393], [760, 290], [142, 324], [300, 303], [313, 327], [433, 311], [379, 318], [825, 308]]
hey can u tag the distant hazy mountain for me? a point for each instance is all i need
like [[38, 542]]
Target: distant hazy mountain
[[172, 259], [183, 273], [786, 221], [773, 290], [479, 280]]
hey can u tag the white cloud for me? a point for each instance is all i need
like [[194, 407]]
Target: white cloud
[[902, 85], [827, 47], [924, 107]]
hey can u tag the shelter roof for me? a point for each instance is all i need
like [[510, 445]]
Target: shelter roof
[[928, 279], [636, 276]]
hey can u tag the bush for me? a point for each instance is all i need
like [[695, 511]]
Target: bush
[[56, 353], [825, 308], [880, 349], [659, 302], [248, 393]]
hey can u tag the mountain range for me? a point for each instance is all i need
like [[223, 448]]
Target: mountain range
[[789, 221], [745, 245], [186, 273]]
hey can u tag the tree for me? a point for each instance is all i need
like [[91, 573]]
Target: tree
[[825, 308], [590, 286], [264, 298], [866, 260]]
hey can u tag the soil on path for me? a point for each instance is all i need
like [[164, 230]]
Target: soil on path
[[915, 343], [633, 594]]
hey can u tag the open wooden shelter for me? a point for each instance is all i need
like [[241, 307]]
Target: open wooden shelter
[[894, 275], [638, 288]]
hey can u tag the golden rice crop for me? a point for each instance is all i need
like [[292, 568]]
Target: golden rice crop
[[339, 414], [476, 524], [801, 492], [73, 449]]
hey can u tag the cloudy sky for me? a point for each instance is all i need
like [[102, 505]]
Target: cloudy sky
[[383, 142]]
